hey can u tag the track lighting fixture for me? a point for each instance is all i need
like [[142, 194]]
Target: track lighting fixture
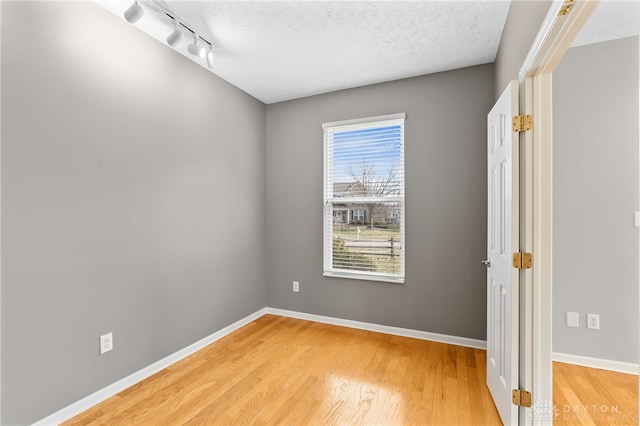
[[158, 13], [194, 49], [210, 56], [175, 36], [134, 13]]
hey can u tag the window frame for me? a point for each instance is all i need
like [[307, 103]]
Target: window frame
[[329, 201], [358, 215]]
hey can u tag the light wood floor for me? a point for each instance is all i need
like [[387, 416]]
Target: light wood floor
[[588, 396], [280, 370]]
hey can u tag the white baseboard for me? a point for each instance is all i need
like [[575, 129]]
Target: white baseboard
[[603, 364], [122, 384], [405, 332]]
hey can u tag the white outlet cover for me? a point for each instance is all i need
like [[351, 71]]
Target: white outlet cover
[[106, 343], [593, 321]]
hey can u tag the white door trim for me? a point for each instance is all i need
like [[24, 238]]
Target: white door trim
[[553, 40]]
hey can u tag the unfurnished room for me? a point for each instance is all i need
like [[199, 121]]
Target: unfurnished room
[[411, 212]]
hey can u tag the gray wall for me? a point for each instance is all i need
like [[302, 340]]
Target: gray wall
[[445, 137], [523, 23], [132, 202], [595, 194]]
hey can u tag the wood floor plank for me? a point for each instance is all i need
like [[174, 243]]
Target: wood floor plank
[[589, 396], [284, 371]]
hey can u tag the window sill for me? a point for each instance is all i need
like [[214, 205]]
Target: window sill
[[364, 277]]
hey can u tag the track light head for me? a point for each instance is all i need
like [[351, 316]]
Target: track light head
[[194, 49], [210, 57], [175, 36], [134, 13]]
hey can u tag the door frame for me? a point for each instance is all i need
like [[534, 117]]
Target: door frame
[[536, 197]]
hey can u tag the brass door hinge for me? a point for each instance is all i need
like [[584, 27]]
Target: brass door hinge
[[521, 398], [522, 260], [522, 123], [566, 8]]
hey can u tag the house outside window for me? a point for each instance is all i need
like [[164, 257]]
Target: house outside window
[[358, 216], [364, 235]]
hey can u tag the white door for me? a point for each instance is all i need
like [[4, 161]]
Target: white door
[[502, 242]]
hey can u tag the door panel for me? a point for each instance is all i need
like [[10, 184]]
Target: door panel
[[502, 242]]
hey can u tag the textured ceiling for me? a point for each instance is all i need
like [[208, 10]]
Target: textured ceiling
[[612, 19], [281, 50]]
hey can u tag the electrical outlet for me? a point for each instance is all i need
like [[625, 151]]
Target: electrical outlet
[[593, 321], [296, 287], [573, 319], [106, 343]]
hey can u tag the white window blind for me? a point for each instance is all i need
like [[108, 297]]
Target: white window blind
[[364, 198]]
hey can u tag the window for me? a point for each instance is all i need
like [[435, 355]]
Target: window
[[358, 216], [364, 198]]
